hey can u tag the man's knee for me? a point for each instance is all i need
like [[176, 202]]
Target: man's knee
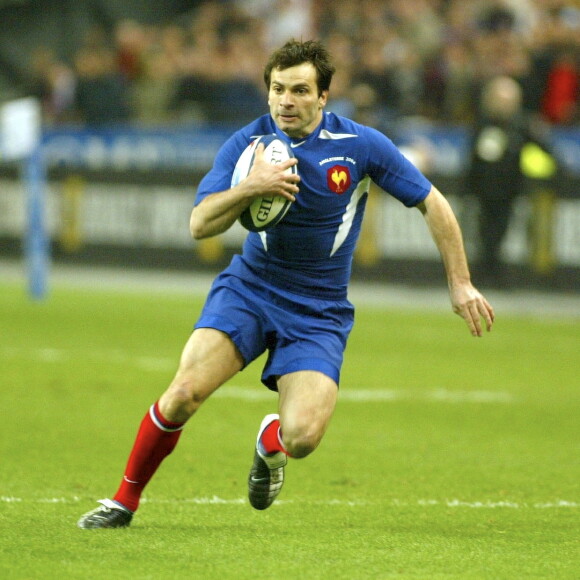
[[307, 400], [301, 441], [181, 400]]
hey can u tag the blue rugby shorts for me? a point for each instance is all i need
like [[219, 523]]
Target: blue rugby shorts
[[299, 332]]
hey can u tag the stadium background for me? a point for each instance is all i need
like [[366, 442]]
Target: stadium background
[[469, 467], [137, 97]]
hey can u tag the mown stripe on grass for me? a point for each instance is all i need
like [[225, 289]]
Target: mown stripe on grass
[[382, 395], [360, 395], [215, 500]]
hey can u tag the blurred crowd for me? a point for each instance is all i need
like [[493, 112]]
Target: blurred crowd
[[395, 58]]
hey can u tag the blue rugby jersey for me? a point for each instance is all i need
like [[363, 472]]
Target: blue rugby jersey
[[310, 251]]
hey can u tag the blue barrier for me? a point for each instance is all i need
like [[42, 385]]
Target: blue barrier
[[194, 149]]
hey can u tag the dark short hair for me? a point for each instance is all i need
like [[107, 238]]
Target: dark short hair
[[294, 53]]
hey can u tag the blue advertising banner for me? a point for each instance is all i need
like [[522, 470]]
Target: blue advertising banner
[[130, 149], [194, 149]]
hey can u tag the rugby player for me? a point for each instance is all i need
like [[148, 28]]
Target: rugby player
[[287, 291]]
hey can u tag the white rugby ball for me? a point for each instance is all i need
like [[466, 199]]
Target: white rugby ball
[[264, 212]]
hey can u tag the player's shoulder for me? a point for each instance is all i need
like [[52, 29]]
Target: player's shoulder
[[343, 128]]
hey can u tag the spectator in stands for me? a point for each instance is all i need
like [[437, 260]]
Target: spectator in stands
[[560, 100], [376, 70], [153, 90], [281, 19], [101, 92], [239, 93], [54, 84], [559, 53], [422, 57], [342, 49], [452, 84], [131, 43], [221, 75], [202, 64]]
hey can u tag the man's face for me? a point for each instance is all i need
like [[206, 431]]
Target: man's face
[[294, 102]]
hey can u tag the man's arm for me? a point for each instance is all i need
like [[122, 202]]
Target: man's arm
[[218, 211], [466, 300]]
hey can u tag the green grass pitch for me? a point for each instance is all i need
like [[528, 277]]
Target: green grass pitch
[[448, 456]]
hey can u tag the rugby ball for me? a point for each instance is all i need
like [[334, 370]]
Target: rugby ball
[[264, 212]]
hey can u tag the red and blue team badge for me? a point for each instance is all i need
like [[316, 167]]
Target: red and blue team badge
[[338, 178]]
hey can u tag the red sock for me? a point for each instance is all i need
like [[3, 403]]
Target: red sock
[[271, 439], [155, 440]]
